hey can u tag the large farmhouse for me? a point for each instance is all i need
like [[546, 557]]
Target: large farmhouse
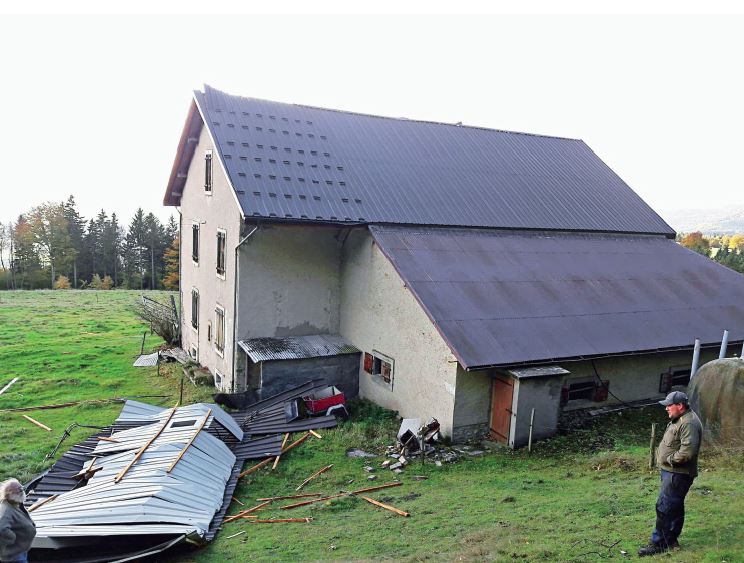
[[463, 273]]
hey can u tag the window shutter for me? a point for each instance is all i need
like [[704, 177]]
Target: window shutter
[[368, 362], [601, 390]]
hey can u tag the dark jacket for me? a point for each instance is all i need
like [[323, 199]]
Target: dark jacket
[[679, 448], [17, 530]]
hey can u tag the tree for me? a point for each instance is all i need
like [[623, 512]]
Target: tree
[[76, 233], [736, 242], [49, 229], [697, 242], [172, 271], [25, 261]]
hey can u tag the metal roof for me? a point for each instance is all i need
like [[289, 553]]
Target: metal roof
[[300, 163], [296, 347], [503, 298], [542, 371]]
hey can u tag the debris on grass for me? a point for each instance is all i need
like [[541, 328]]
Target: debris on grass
[[37, 423], [314, 476], [356, 452]]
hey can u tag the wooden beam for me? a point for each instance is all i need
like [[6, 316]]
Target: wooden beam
[[141, 451], [281, 520], [107, 439], [242, 513], [186, 447], [313, 476], [386, 506], [284, 443], [12, 381], [377, 488], [37, 423], [269, 459], [306, 495], [42, 502], [298, 504], [314, 433]]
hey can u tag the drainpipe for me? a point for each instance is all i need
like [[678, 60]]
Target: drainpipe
[[724, 345], [235, 303], [695, 358]]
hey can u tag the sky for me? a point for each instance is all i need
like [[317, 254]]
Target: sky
[[94, 105]]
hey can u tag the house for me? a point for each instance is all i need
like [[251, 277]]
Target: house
[[440, 270]]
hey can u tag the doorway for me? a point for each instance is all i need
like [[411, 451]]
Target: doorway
[[502, 391]]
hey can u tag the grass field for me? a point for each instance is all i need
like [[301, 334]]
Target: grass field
[[568, 500]]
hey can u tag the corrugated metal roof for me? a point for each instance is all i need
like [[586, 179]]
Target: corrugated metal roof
[[501, 298], [303, 163], [296, 347], [543, 371]]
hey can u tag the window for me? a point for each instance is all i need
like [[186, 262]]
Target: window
[[219, 324], [379, 365], [218, 380], [183, 423], [195, 242], [673, 378], [221, 253], [588, 390], [195, 308], [208, 171], [209, 331]]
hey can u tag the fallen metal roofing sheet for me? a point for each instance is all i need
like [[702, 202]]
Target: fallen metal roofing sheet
[[300, 163], [502, 298], [296, 347], [146, 360]]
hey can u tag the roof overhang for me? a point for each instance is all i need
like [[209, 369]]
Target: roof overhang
[[184, 154]]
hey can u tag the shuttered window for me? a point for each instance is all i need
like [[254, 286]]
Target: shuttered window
[[219, 324], [221, 253], [195, 308], [208, 171], [195, 242]]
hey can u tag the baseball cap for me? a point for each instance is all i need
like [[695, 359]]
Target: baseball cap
[[675, 398]]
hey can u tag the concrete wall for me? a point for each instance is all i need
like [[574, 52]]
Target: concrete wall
[[472, 415], [544, 395], [289, 282], [378, 313], [280, 375], [219, 210]]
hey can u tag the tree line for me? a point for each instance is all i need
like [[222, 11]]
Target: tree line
[[54, 246], [725, 249]]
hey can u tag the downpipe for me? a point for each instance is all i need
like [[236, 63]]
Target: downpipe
[[235, 305]]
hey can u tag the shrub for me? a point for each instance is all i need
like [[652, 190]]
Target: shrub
[[107, 283], [63, 282], [95, 282]]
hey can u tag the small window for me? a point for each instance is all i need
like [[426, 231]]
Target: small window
[[589, 390], [195, 308], [380, 365], [208, 171], [221, 253], [218, 378], [195, 242], [219, 323], [209, 331], [675, 377]]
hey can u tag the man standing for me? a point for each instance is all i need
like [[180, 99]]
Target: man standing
[[677, 456], [17, 530]]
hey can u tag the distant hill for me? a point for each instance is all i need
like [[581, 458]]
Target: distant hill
[[708, 221]]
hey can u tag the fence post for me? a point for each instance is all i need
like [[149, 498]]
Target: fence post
[[652, 457]]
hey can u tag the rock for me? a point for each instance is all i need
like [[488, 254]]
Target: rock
[[356, 452], [403, 460], [395, 456], [396, 466], [438, 463], [420, 477], [475, 453], [397, 470], [386, 463], [371, 477], [369, 468]]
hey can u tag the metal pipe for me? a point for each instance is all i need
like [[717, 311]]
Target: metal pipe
[[695, 358], [724, 345], [236, 280]]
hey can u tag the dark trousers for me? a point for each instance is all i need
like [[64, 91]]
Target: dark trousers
[[670, 507]]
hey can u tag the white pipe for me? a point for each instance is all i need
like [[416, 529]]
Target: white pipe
[[724, 345], [695, 358]]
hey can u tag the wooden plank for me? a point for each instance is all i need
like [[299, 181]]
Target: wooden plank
[[377, 488], [243, 513], [306, 495], [188, 445], [284, 443], [39, 503], [141, 451], [298, 504], [12, 381], [314, 433], [281, 520], [240, 503], [265, 462], [386, 506], [106, 439], [313, 476], [37, 423]]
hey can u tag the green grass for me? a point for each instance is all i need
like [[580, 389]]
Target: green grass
[[565, 501]]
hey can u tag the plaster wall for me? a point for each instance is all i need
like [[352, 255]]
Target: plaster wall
[[472, 415], [378, 313], [219, 210]]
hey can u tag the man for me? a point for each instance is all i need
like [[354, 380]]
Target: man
[[677, 457], [17, 530]]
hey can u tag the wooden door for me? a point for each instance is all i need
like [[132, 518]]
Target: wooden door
[[501, 404]]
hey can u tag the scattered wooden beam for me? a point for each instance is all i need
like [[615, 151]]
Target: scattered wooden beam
[[90, 402], [385, 506], [234, 535], [314, 433], [240, 503], [313, 476], [377, 488], [322, 499], [37, 423], [12, 381], [284, 443], [296, 443], [306, 495], [281, 520], [141, 451], [107, 439], [242, 513], [42, 502], [191, 441], [268, 460]]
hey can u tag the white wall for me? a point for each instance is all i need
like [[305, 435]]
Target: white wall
[[379, 313], [219, 210]]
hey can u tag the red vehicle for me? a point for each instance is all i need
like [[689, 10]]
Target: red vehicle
[[330, 400]]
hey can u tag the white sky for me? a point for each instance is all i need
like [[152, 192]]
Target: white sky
[[94, 105]]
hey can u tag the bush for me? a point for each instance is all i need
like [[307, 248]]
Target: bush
[[95, 282], [107, 283], [63, 282]]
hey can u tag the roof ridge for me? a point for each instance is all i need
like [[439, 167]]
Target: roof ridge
[[402, 119]]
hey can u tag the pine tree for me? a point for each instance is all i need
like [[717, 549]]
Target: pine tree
[[172, 271]]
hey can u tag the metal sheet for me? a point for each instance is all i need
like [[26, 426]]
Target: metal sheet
[[146, 360], [296, 347], [544, 371], [303, 163], [501, 298]]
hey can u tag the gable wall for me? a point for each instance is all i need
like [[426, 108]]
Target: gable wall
[[217, 211], [378, 313]]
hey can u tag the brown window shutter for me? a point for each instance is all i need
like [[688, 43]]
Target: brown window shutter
[[601, 390], [368, 362]]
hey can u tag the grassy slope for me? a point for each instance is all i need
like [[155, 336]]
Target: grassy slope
[[554, 505]]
